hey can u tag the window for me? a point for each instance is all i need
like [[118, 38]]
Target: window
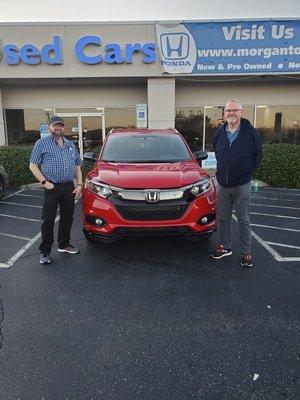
[[23, 126], [278, 124], [189, 122]]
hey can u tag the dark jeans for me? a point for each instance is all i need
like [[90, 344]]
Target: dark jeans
[[60, 195]]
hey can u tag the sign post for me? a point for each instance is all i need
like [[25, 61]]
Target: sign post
[[141, 115]]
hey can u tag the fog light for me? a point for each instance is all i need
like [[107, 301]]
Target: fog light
[[203, 220], [90, 219]]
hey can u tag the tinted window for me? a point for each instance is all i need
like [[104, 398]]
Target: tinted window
[[145, 148]]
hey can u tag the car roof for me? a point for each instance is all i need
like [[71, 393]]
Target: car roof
[[141, 130]]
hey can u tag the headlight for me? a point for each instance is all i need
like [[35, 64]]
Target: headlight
[[98, 188], [200, 187]]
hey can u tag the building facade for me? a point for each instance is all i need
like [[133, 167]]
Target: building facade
[[99, 76]]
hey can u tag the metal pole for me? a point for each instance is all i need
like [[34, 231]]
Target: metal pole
[[203, 132], [103, 125]]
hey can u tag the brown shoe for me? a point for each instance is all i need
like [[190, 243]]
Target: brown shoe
[[221, 252], [246, 260]]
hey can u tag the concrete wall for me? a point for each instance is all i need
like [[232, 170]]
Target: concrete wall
[[249, 93], [161, 103], [76, 96]]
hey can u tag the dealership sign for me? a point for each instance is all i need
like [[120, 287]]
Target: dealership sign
[[110, 53], [210, 48], [219, 48]]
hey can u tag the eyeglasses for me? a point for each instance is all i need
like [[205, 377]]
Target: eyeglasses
[[234, 111]]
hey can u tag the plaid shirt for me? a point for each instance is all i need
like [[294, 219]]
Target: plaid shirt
[[58, 164]]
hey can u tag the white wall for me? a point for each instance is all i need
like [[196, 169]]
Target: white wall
[[73, 96], [248, 93]]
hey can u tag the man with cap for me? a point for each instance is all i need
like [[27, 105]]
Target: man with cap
[[55, 162]]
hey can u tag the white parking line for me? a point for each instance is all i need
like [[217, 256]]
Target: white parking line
[[276, 227], [28, 195], [284, 245], [268, 205], [273, 252], [286, 191], [26, 219], [274, 198], [15, 258], [14, 236], [20, 204], [12, 194], [274, 215]]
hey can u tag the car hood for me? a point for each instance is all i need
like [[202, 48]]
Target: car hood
[[149, 176]]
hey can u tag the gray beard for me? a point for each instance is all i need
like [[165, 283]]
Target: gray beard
[[57, 134]]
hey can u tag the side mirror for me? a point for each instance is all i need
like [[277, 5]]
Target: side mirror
[[90, 156], [201, 155]]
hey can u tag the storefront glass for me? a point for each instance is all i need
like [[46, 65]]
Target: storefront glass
[[278, 124], [23, 126]]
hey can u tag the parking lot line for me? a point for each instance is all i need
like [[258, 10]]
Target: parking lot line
[[276, 227], [274, 198], [284, 245], [266, 245], [13, 216], [19, 254], [14, 236], [269, 205], [12, 194], [20, 204], [274, 215], [13, 259], [28, 195], [284, 191]]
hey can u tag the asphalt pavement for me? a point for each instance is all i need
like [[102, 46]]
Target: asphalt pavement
[[150, 318]]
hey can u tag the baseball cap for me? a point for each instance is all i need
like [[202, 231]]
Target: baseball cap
[[56, 120]]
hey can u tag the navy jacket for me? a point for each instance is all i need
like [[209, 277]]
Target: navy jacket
[[236, 163]]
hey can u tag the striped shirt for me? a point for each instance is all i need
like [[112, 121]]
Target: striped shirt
[[58, 164]]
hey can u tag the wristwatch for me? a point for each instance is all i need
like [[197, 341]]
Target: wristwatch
[[44, 181]]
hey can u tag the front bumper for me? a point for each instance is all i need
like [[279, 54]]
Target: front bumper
[[146, 232], [134, 218]]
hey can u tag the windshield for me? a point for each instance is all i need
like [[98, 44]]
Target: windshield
[[145, 148]]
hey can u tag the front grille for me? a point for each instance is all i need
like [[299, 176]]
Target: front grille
[[151, 212]]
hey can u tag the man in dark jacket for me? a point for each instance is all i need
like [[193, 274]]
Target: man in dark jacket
[[238, 150]]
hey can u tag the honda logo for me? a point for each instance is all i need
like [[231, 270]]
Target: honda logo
[[151, 196], [174, 46]]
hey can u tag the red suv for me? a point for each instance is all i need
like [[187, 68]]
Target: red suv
[[147, 182]]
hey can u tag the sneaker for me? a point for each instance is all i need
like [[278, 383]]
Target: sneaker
[[221, 252], [246, 260], [44, 259], [69, 249]]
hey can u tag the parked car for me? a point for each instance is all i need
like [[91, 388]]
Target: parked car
[[147, 182], [3, 182]]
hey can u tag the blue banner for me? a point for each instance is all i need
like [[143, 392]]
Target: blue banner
[[221, 48]]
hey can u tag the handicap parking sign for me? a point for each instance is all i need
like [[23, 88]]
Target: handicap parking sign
[[141, 115]]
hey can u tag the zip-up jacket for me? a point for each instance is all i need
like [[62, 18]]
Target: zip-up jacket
[[237, 162]]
